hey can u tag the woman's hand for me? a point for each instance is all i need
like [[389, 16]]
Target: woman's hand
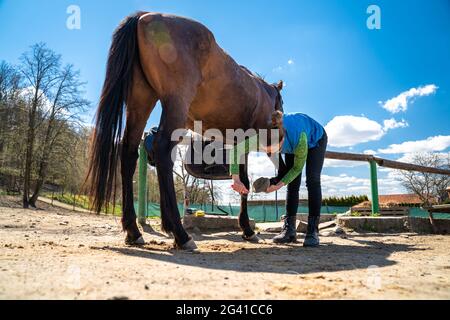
[[238, 186], [275, 187]]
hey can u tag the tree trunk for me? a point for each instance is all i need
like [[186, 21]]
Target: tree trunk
[[43, 164], [29, 153], [37, 189]]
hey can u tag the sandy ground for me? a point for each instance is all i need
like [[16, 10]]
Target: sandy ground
[[58, 254]]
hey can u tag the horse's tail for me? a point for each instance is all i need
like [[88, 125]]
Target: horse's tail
[[108, 121]]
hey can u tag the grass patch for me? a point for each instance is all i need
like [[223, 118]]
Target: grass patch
[[82, 201]]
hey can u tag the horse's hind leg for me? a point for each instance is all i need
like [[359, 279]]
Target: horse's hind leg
[[141, 103], [173, 117]]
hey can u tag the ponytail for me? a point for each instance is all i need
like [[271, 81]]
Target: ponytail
[[277, 120], [275, 123]]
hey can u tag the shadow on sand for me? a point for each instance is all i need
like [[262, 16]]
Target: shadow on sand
[[267, 257]]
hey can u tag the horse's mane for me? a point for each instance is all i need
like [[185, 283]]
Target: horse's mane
[[279, 99], [253, 74]]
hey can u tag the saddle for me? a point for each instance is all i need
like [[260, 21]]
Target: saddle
[[148, 145], [202, 170]]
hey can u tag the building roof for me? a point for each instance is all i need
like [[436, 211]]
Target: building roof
[[399, 198], [393, 199]]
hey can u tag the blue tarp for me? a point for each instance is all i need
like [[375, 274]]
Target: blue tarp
[[260, 213], [417, 212], [263, 213]]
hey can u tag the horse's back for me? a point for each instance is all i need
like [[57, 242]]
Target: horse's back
[[173, 51], [181, 57]]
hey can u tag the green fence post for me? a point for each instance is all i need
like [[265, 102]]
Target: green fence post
[[142, 184], [374, 186]]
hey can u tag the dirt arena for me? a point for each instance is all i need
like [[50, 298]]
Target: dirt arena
[[54, 253]]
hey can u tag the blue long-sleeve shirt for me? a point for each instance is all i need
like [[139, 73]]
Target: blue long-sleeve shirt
[[297, 123], [301, 133]]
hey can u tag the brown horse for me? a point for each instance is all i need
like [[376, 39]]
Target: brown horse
[[178, 62]]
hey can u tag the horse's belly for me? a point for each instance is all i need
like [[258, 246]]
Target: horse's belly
[[221, 115]]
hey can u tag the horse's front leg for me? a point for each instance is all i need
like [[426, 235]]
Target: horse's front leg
[[244, 221]]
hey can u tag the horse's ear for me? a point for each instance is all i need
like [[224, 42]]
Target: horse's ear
[[280, 85]]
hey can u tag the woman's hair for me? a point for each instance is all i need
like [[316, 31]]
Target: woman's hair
[[277, 119], [276, 123]]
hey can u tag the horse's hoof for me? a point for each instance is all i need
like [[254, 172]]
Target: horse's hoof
[[138, 242], [253, 238], [261, 185], [189, 246]]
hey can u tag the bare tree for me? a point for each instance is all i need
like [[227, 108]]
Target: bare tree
[[5, 78], [187, 186], [152, 185], [64, 110], [427, 186], [42, 137], [39, 68], [13, 120], [9, 91]]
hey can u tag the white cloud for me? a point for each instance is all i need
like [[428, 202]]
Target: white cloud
[[332, 185], [370, 152], [431, 144], [259, 165], [288, 66], [344, 184], [28, 95], [346, 131], [393, 124], [400, 102], [409, 157], [333, 163]]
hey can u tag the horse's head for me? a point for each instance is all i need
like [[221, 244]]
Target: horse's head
[[279, 99], [271, 146]]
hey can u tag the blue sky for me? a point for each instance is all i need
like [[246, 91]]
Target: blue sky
[[335, 68]]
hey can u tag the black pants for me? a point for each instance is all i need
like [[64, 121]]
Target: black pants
[[314, 165]]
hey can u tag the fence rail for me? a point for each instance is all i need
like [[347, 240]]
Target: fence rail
[[384, 162], [372, 160]]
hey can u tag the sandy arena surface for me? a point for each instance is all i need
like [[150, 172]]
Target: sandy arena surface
[[54, 253]]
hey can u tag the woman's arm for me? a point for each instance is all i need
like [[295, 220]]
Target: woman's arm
[[301, 153]]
